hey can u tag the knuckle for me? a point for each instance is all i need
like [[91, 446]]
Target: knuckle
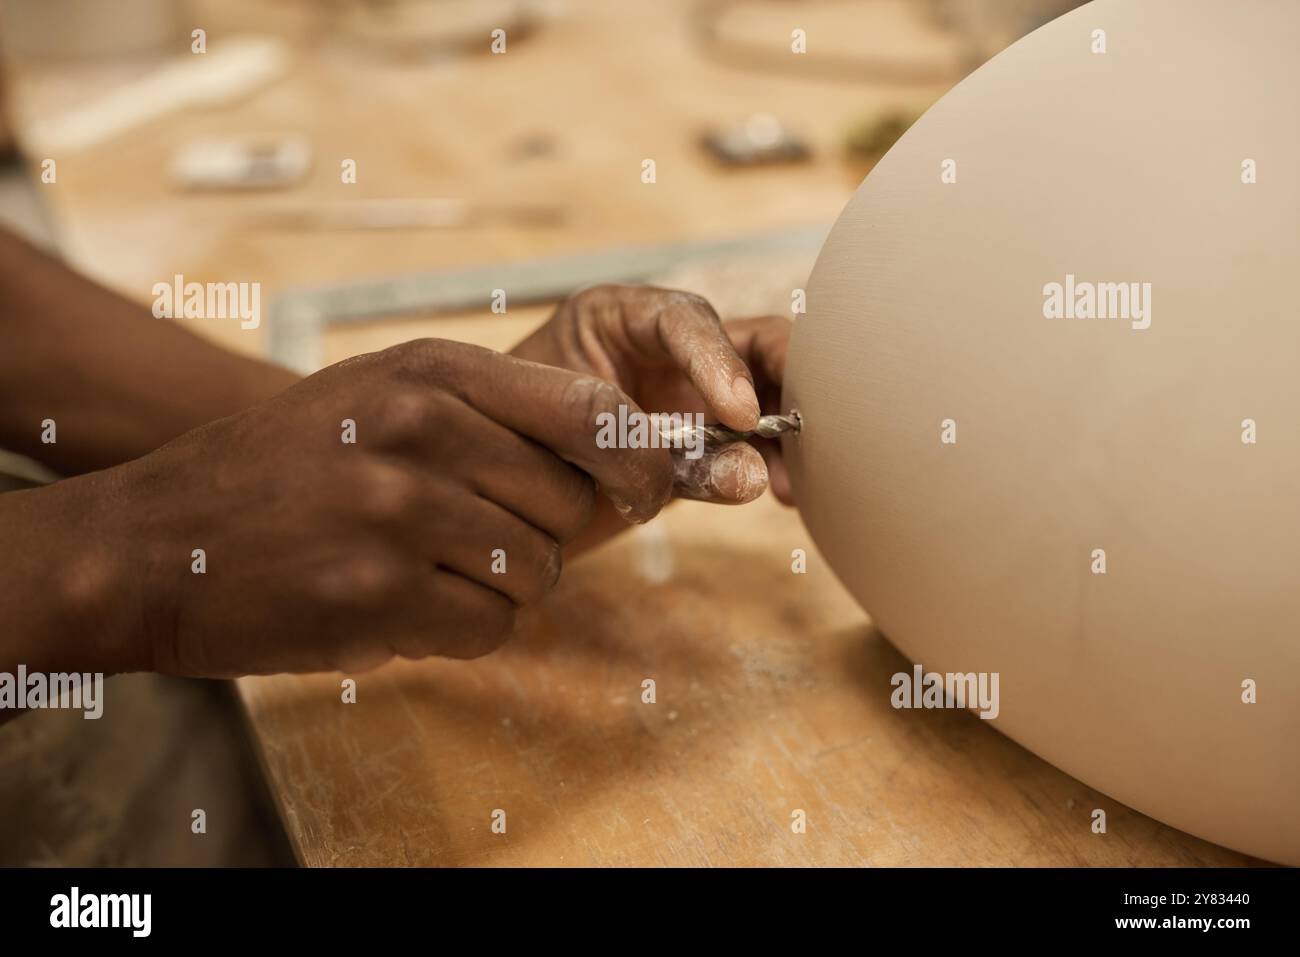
[[676, 302], [428, 359], [389, 493], [600, 293], [417, 358], [404, 414], [589, 397], [694, 300], [360, 580], [411, 356]]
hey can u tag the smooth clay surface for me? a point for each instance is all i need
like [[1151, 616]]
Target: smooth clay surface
[[1077, 434]]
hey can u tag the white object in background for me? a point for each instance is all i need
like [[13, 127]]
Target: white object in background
[[656, 553], [229, 70], [242, 162]]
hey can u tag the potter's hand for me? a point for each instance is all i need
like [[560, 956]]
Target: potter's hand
[[669, 352], [403, 502]]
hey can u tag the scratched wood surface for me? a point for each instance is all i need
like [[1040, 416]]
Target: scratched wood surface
[[771, 696], [772, 689]]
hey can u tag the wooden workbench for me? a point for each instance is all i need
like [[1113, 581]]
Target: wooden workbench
[[772, 688]]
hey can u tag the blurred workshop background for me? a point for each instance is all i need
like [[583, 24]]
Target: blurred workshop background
[[379, 169], [229, 166]]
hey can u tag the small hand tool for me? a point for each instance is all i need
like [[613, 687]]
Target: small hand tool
[[769, 427]]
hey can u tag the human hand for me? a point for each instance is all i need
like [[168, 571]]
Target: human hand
[[669, 352], [324, 554]]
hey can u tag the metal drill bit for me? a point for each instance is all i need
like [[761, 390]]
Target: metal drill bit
[[769, 427]]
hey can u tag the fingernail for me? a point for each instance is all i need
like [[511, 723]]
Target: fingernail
[[738, 476], [744, 392]]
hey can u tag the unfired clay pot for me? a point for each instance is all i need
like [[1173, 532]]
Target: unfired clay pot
[[1170, 442]]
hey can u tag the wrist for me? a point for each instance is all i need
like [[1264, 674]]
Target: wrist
[[67, 596]]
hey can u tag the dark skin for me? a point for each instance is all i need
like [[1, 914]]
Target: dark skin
[[322, 554], [664, 349]]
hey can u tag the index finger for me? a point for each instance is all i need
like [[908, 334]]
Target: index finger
[[667, 323], [561, 410]]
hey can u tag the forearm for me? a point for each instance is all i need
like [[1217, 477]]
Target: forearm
[[116, 381]]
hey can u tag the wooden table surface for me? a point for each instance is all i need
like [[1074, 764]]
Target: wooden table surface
[[771, 688]]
